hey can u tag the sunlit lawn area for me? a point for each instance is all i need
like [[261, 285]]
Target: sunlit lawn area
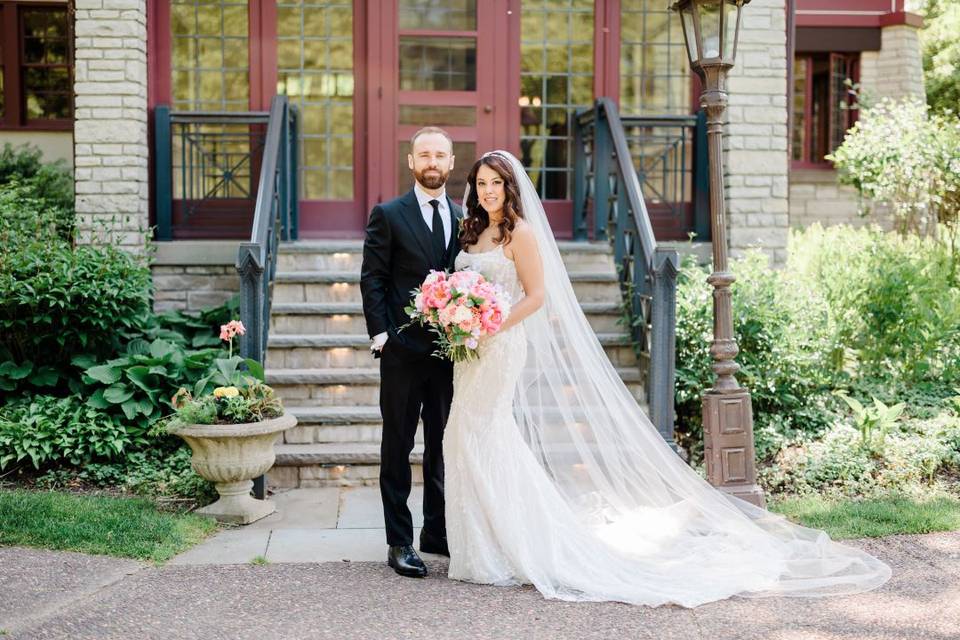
[[875, 517], [115, 526]]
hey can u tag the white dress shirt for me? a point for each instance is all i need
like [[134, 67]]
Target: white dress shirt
[[426, 210]]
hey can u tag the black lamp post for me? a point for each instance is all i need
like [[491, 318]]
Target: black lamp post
[[711, 29]]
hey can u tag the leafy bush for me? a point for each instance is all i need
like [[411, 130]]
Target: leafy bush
[[940, 37], [45, 191], [909, 457], [57, 303], [901, 154], [782, 339], [47, 430], [893, 310], [161, 471], [139, 385]]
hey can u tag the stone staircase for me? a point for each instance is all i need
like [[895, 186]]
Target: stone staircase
[[319, 362]]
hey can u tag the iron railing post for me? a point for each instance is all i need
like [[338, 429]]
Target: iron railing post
[[663, 342], [163, 162], [602, 151], [580, 230]]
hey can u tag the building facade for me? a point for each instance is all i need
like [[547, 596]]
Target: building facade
[[86, 79]]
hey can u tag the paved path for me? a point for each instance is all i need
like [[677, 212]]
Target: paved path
[[309, 591]]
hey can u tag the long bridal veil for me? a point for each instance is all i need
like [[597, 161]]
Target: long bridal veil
[[615, 472]]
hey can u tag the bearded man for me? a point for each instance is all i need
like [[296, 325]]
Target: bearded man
[[406, 238]]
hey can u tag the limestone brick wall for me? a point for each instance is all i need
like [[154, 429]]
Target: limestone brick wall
[[194, 275], [110, 128], [815, 197], [897, 69], [756, 141]]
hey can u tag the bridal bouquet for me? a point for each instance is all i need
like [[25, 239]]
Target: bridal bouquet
[[460, 307]]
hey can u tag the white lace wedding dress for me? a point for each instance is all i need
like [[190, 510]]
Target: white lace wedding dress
[[555, 477]]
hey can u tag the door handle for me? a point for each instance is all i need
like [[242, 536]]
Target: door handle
[[488, 108]]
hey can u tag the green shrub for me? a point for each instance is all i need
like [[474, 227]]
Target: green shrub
[[140, 384], [908, 458], [58, 303], [782, 347], [163, 470], [45, 430], [893, 309], [35, 197]]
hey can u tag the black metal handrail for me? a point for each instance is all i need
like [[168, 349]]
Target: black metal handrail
[[605, 177], [274, 219]]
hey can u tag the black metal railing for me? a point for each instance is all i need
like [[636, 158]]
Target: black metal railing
[[607, 188], [274, 219]]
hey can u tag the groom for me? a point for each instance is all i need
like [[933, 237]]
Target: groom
[[406, 238]]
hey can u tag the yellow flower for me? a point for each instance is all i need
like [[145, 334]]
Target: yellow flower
[[226, 392]]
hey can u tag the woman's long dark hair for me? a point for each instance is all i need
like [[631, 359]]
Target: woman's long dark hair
[[477, 218]]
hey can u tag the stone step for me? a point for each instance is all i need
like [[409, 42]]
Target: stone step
[[346, 255], [339, 286], [333, 464], [360, 387], [318, 351], [347, 317]]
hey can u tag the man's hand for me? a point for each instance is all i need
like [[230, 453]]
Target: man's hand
[[378, 341]]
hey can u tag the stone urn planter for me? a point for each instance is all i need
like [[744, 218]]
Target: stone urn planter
[[232, 455]]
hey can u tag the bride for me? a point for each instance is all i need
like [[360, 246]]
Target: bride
[[556, 478]]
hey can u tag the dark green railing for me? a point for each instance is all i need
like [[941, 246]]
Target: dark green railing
[[607, 185], [274, 219]]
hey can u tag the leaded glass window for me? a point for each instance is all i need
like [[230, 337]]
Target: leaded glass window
[[556, 80]]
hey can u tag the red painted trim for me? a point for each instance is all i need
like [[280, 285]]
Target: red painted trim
[[612, 67], [442, 33], [267, 53], [878, 6], [600, 31], [358, 215], [254, 69], [509, 123], [459, 134], [902, 18], [159, 53], [451, 98]]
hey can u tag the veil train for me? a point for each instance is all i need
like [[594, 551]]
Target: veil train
[[614, 470]]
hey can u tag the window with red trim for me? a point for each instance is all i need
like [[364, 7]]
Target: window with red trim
[[824, 106], [36, 65]]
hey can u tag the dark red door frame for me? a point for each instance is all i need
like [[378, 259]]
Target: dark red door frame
[[495, 98], [318, 218]]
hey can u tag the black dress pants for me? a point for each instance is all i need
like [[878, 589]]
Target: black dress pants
[[410, 390]]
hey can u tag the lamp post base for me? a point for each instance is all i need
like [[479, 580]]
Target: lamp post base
[[728, 444]]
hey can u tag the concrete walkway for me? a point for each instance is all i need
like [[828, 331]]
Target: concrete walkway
[[308, 590], [310, 525]]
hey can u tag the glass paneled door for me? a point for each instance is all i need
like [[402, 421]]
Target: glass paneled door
[[445, 63]]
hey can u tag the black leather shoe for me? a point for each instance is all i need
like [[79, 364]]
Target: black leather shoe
[[406, 562], [434, 544]]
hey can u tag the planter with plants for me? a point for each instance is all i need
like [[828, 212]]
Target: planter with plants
[[231, 420]]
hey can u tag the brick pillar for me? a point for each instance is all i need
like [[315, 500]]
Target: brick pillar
[[755, 159], [897, 69], [110, 128]]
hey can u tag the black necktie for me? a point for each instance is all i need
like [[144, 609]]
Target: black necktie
[[438, 242]]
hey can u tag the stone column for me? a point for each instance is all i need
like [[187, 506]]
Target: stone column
[[756, 140], [110, 130], [896, 70]]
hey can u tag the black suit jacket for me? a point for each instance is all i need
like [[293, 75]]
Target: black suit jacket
[[397, 255]]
